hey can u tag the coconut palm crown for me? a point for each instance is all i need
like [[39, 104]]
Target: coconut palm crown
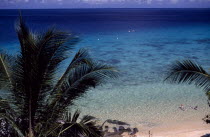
[[189, 72], [37, 97]]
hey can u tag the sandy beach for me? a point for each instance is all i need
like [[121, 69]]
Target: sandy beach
[[181, 133], [187, 129]]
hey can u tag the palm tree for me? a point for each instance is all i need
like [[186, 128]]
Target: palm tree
[[38, 98], [187, 71]]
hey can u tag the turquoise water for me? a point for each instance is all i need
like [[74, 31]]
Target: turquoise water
[[141, 43], [140, 96]]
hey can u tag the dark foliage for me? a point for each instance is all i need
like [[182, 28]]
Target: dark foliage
[[86, 127], [189, 72], [37, 97]]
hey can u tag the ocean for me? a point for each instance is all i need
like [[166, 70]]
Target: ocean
[[141, 43]]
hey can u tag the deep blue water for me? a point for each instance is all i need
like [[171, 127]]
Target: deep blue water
[[102, 21], [141, 43], [127, 30]]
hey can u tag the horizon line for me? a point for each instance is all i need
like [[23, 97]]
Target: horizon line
[[100, 8]]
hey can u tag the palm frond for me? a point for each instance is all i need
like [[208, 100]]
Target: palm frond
[[189, 72], [85, 127], [26, 38], [91, 74], [53, 130], [6, 108], [81, 57], [8, 113], [87, 118], [52, 51], [81, 78], [36, 65], [5, 70], [25, 69], [75, 116]]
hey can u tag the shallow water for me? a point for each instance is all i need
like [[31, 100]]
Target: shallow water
[[141, 43]]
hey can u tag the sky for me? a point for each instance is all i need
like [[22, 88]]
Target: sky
[[31, 4]]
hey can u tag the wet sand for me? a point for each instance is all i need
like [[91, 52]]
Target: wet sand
[[186, 129]]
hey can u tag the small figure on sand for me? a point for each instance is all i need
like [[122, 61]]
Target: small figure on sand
[[182, 107], [195, 108]]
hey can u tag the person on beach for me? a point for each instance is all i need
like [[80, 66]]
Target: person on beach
[[195, 108], [182, 107]]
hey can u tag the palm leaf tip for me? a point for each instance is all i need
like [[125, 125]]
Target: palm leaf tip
[[5, 69], [20, 26], [93, 73], [189, 72], [85, 127]]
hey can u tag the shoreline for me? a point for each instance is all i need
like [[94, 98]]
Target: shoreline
[[185, 129]]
